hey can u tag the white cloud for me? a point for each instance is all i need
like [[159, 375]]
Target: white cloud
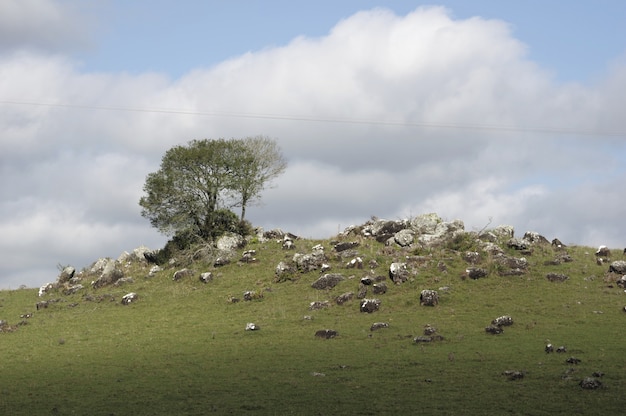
[[386, 115]]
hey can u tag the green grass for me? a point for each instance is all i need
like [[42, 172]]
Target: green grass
[[182, 349]]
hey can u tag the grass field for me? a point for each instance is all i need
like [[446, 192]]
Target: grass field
[[182, 347]]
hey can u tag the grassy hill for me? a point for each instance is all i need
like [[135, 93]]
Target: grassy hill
[[182, 349]]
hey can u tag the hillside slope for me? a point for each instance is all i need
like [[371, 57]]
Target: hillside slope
[[185, 347]]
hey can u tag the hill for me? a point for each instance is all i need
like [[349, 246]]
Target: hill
[[389, 317]]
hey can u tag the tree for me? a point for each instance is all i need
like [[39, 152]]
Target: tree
[[197, 184], [260, 162]]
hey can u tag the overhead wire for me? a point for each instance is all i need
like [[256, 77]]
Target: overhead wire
[[341, 120]]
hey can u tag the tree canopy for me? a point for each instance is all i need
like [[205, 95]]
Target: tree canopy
[[198, 183]]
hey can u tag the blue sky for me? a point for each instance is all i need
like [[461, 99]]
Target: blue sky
[[576, 40], [510, 112]]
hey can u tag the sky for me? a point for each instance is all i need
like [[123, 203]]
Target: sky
[[486, 111]]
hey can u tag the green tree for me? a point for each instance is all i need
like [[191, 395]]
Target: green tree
[[197, 184]]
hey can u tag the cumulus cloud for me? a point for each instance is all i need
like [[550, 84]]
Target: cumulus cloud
[[386, 115]]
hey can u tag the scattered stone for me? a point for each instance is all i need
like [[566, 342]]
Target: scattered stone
[[429, 297], [590, 383], [429, 330], [618, 266], [221, 261], [603, 251], [549, 348], [248, 256], [180, 274], [129, 298], [471, 257], [346, 246], [621, 282], [369, 305], [367, 280], [154, 270], [206, 277], [379, 288], [398, 273], [504, 320], [557, 277], [355, 263], [493, 329], [517, 244], [249, 295], [344, 297], [421, 339], [327, 281], [513, 375], [70, 290], [561, 349], [317, 305], [251, 326], [326, 333], [379, 325], [572, 360], [476, 272]]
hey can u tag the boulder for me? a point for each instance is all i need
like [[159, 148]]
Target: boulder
[[317, 305], [230, 242], [66, 274], [327, 281], [326, 333], [181, 274], [70, 290], [425, 223], [504, 320], [590, 383], [379, 325], [535, 238], [347, 245], [476, 272], [621, 282], [618, 266], [129, 298], [429, 297], [111, 273], [494, 329], [251, 326], [603, 251], [206, 277], [517, 244], [404, 238], [557, 277], [344, 297], [362, 293], [369, 305], [355, 263], [309, 262], [398, 273], [379, 288]]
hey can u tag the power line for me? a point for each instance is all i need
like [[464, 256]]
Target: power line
[[456, 126]]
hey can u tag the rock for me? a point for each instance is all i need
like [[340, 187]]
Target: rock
[[248, 256], [572, 360], [603, 251], [66, 274], [206, 277], [513, 374], [362, 293], [221, 261], [476, 272], [557, 277], [561, 349], [618, 266], [46, 288], [316, 305], [404, 238], [70, 290], [621, 282], [367, 280], [556, 243], [549, 348], [504, 320], [129, 298], [355, 263], [154, 270], [535, 238], [590, 383], [249, 295], [517, 244], [348, 245], [398, 273], [421, 339], [251, 326], [181, 274], [326, 333], [344, 297], [493, 329], [309, 262], [327, 281], [379, 288], [123, 280], [230, 242], [111, 273], [379, 325], [429, 297], [282, 269], [425, 223], [429, 330], [471, 257], [369, 305]]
